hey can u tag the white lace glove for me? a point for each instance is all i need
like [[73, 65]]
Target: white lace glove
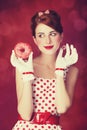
[[71, 57], [25, 67]]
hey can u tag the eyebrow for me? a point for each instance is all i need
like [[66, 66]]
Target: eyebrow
[[40, 33]]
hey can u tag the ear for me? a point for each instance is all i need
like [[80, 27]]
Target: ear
[[35, 41]]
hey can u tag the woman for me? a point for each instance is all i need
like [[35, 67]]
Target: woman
[[45, 85]]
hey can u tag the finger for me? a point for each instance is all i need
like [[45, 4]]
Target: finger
[[60, 52], [13, 53], [13, 56], [67, 50], [30, 57], [75, 54], [72, 49], [12, 50]]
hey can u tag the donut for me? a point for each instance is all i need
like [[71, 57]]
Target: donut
[[22, 50]]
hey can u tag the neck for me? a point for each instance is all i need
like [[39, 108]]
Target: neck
[[47, 59]]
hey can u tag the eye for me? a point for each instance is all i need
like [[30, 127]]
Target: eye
[[41, 35], [53, 33]]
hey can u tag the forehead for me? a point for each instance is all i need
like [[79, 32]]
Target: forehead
[[43, 28]]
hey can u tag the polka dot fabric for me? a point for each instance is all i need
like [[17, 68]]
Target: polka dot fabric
[[43, 101], [44, 95], [25, 125]]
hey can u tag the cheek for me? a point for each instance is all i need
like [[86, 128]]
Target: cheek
[[58, 39], [57, 42], [40, 42]]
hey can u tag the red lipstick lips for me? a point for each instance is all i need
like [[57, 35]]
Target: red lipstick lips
[[48, 47]]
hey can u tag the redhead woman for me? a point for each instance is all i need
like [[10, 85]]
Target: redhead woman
[[45, 84]]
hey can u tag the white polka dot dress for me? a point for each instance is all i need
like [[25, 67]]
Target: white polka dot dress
[[44, 95], [43, 101]]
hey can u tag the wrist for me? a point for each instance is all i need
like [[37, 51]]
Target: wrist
[[27, 76], [59, 72], [27, 73], [59, 69]]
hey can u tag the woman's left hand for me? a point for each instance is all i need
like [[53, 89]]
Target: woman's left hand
[[71, 56], [62, 62]]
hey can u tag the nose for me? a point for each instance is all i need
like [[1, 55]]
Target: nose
[[48, 39]]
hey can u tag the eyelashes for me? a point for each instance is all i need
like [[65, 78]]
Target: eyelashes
[[53, 34]]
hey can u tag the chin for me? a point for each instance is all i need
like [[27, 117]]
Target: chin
[[49, 53]]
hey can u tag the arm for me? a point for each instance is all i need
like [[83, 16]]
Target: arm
[[24, 77], [24, 97], [65, 91]]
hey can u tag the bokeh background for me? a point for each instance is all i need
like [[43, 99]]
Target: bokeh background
[[15, 18]]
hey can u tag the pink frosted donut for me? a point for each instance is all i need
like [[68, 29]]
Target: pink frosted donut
[[22, 50]]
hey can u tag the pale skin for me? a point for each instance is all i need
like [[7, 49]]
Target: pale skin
[[44, 66]]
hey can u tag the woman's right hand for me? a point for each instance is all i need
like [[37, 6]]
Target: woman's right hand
[[24, 67]]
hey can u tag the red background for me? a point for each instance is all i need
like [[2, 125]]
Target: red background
[[15, 26]]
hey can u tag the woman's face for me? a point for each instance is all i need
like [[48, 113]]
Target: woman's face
[[47, 39]]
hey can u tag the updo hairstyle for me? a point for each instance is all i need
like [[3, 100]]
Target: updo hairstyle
[[49, 18]]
